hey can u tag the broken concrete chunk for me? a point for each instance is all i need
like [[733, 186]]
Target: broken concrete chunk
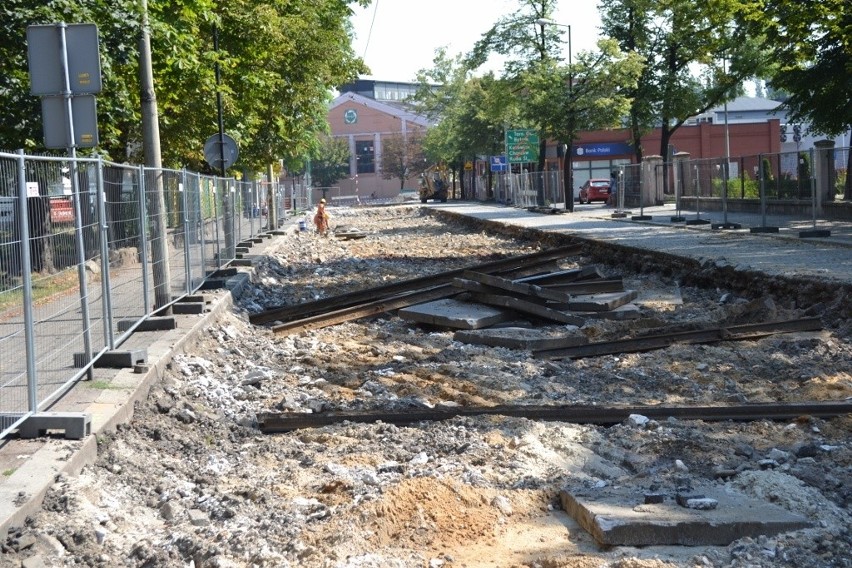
[[698, 502], [612, 517]]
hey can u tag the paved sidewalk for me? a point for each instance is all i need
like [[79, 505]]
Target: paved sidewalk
[[777, 254], [30, 467]]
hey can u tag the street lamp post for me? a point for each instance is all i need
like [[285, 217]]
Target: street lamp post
[[568, 169]]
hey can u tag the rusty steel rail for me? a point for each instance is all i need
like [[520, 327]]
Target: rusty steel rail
[[308, 309], [275, 422], [661, 341], [366, 309]]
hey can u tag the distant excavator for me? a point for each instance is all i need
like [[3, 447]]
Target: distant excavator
[[434, 184]]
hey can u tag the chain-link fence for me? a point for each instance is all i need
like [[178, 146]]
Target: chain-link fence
[[89, 249], [793, 191]]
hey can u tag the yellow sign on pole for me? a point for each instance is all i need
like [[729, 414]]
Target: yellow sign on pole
[[468, 165]]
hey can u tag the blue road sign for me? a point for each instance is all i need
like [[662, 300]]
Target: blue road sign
[[498, 164]]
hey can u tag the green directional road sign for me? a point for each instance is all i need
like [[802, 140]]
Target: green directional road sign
[[522, 145]]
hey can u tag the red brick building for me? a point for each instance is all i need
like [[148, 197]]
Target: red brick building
[[366, 124], [368, 112]]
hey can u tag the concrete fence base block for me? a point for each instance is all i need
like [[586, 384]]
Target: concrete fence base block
[[114, 359], [763, 230], [815, 234], [725, 226], [189, 307], [163, 323], [75, 425]]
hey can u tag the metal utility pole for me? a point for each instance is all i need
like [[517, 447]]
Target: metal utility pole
[[227, 196], [153, 184], [567, 167]]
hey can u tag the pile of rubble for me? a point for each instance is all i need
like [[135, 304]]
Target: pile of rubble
[[192, 481]]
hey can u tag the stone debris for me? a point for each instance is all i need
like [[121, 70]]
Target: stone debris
[[191, 482]]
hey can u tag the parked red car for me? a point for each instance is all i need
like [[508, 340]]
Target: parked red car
[[594, 190]]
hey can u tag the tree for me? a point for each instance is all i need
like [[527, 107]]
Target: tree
[[472, 112], [329, 162], [566, 99], [402, 156], [516, 37], [279, 60], [811, 49], [695, 58]]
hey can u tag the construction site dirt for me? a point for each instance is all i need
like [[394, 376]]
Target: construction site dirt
[[193, 480]]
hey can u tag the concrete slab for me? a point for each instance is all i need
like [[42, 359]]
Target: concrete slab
[[660, 298], [617, 516], [456, 314], [518, 338], [621, 313], [600, 302]]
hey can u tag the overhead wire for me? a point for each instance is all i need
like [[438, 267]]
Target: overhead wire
[[370, 32]]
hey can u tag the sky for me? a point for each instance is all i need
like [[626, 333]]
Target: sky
[[397, 38]]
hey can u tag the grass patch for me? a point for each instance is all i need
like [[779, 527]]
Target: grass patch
[[45, 287], [101, 385]]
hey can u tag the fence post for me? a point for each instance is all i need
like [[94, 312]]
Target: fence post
[[81, 265], [143, 241], [679, 161], [764, 228], [182, 189], [816, 202], [202, 222], [27, 285], [109, 336], [698, 220]]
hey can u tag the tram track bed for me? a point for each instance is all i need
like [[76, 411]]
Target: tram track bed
[[193, 480]]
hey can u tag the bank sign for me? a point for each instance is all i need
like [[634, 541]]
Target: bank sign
[[602, 149]]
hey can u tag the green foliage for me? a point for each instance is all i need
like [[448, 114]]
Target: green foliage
[[675, 38], [804, 166], [766, 167], [810, 47], [329, 161], [473, 111], [278, 61], [403, 157], [564, 100]]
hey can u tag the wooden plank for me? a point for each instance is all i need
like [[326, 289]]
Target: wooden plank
[[621, 313], [519, 288], [526, 307], [660, 341], [276, 422], [290, 312]]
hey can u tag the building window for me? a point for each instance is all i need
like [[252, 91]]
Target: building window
[[365, 154]]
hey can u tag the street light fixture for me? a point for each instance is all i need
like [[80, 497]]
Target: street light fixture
[[568, 172]]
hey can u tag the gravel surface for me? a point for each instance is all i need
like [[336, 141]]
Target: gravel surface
[[192, 482]]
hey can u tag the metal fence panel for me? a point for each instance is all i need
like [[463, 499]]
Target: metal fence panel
[[102, 246]]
